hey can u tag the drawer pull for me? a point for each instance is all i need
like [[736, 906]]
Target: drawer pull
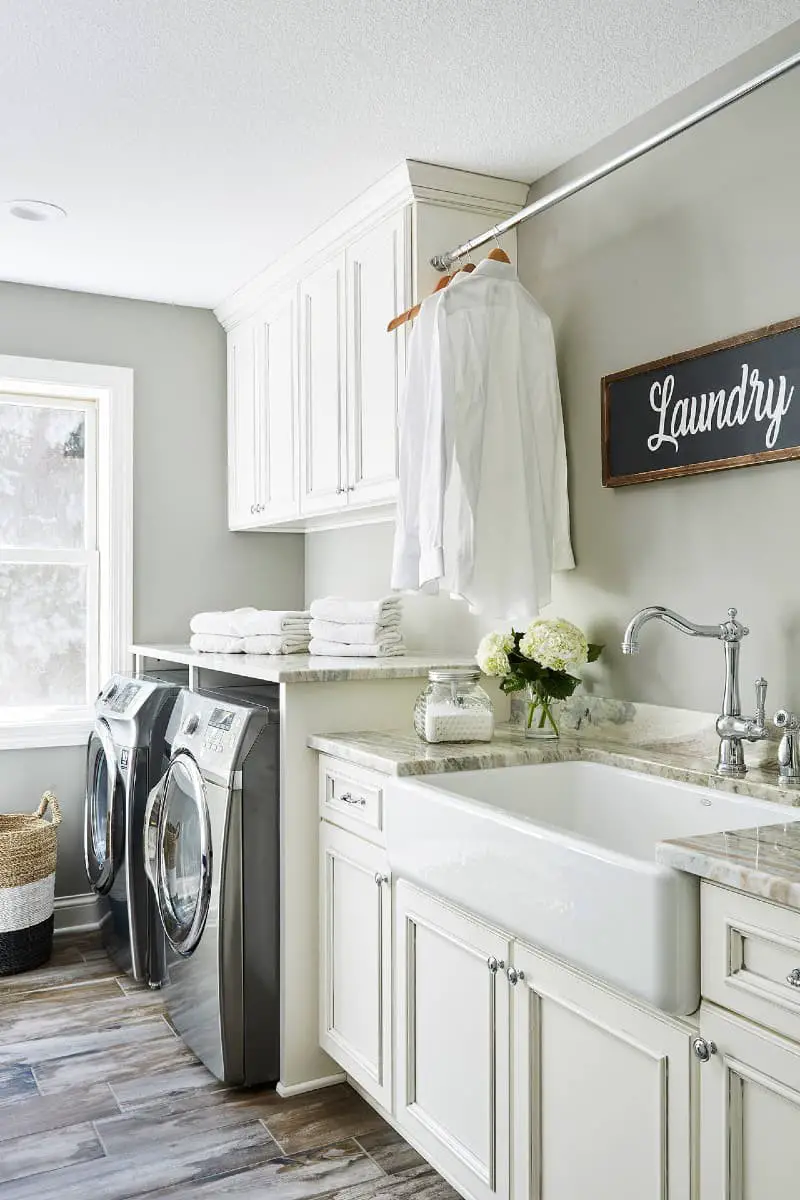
[[703, 1049], [356, 801], [793, 978]]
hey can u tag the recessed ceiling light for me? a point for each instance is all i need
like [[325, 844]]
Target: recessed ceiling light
[[34, 210]]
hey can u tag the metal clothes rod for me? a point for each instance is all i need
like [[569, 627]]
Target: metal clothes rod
[[442, 261]]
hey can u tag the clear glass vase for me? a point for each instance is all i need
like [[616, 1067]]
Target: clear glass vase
[[539, 723]]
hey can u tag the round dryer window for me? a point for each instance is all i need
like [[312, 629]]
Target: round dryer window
[[105, 816], [184, 855]]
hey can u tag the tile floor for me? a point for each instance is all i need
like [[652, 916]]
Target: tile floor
[[99, 1100]]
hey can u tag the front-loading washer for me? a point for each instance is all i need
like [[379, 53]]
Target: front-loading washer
[[125, 757], [212, 854]]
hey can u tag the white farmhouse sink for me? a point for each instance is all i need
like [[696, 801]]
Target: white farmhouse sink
[[563, 855]]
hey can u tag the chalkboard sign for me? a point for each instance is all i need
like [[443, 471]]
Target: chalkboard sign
[[730, 404]]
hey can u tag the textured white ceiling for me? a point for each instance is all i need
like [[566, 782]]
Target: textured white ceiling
[[192, 141]]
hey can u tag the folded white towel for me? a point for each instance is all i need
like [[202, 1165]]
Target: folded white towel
[[250, 622], [216, 643], [331, 631], [271, 623], [356, 650], [357, 612], [285, 643]]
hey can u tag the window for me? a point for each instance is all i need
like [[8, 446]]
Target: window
[[65, 544]]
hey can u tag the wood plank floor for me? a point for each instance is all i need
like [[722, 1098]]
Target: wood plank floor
[[99, 1100]]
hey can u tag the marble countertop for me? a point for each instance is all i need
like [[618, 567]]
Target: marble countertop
[[764, 862], [303, 668]]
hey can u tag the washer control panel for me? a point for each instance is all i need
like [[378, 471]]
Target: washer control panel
[[221, 731]]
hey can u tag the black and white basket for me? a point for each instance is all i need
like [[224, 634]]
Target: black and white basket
[[28, 849]]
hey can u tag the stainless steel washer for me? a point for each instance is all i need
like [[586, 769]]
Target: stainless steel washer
[[212, 855], [125, 756]]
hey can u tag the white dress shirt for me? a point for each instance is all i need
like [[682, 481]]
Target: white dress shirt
[[488, 485]]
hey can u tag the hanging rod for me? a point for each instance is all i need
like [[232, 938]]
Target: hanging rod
[[442, 261]]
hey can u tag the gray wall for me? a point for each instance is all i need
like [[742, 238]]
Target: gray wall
[[185, 558], [695, 242]]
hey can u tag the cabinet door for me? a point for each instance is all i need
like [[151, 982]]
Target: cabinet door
[[377, 273], [452, 1044], [243, 445], [322, 376], [276, 411], [750, 1111], [356, 940], [601, 1091]]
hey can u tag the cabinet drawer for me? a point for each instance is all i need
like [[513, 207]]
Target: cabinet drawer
[[750, 953], [351, 797]]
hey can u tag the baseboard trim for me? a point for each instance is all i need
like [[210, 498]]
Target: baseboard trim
[[76, 914], [312, 1085]]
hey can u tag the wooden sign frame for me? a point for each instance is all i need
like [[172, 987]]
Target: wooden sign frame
[[779, 454]]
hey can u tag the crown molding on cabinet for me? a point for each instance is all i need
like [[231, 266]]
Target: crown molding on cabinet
[[410, 182]]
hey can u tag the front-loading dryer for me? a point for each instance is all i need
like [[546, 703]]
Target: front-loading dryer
[[212, 853], [125, 757]]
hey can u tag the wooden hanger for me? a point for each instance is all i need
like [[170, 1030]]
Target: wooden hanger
[[498, 255], [410, 313]]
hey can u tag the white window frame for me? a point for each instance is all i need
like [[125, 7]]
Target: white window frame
[[110, 390]]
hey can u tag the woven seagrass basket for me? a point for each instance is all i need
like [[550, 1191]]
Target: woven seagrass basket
[[28, 846]]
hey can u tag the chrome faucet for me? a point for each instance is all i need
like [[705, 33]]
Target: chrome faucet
[[732, 727]]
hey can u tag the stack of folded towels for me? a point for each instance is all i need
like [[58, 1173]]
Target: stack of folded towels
[[250, 631], [357, 628]]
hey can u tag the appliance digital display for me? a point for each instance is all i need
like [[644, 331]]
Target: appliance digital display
[[221, 718], [120, 702]]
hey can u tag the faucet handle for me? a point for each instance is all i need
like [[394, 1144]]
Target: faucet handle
[[786, 721], [761, 699]]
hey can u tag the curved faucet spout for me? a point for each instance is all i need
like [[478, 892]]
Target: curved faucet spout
[[657, 612]]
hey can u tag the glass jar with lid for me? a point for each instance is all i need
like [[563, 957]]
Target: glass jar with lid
[[454, 707]]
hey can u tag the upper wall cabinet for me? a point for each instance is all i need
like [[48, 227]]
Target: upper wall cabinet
[[314, 380], [262, 417]]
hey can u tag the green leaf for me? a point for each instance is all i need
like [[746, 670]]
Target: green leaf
[[595, 651], [512, 683], [559, 685]]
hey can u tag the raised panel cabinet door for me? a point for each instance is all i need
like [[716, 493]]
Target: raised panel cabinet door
[[276, 411], [377, 289], [602, 1091], [243, 454], [452, 1053], [323, 454], [749, 1112], [356, 939]]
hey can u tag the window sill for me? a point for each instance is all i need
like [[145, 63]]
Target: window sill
[[43, 728]]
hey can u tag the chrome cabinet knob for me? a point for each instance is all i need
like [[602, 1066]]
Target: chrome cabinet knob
[[703, 1049], [381, 879], [514, 976], [252, 509], [793, 978], [495, 964]]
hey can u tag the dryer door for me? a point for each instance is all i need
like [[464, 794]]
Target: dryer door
[[104, 825], [183, 855]]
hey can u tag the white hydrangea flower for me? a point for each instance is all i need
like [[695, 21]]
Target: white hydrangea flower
[[557, 645], [492, 653]]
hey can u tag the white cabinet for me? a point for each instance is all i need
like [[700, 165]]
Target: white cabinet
[[377, 266], [750, 1111], [602, 1091], [356, 960], [243, 464], [262, 442], [322, 451], [323, 455], [452, 1041]]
